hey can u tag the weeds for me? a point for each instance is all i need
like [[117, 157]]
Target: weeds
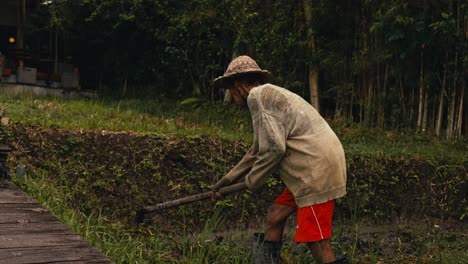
[[116, 241], [202, 118], [142, 245], [77, 174], [161, 117]]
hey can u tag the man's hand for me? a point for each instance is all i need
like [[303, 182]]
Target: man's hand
[[216, 195]]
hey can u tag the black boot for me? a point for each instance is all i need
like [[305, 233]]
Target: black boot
[[265, 252], [340, 260]]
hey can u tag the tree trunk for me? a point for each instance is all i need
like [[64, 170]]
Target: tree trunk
[[462, 27], [362, 98], [451, 113], [426, 109], [412, 104], [313, 86], [421, 95], [124, 87], [382, 99], [402, 99], [370, 96], [338, 102], [460, 115], [451, 102], [56, 50], [440, 111], [313, 72], [465, 114], [351, 104]]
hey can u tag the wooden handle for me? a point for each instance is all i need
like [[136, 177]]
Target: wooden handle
[[194, 198]]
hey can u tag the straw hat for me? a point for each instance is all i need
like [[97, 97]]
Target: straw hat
[[242, 65]]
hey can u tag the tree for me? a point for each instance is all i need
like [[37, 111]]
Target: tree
[[389, 64], [313, 68]]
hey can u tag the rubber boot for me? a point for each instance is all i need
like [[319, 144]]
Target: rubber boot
[[265, 252], [340, 260]]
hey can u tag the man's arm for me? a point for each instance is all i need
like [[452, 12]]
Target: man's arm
[[240, 169], [271, 141]]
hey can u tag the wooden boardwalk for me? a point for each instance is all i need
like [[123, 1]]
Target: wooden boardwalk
[[31, 234]]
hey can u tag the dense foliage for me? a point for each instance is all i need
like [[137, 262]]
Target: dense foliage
[[392, 64]]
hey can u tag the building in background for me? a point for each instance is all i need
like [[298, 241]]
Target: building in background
[[29, 57]]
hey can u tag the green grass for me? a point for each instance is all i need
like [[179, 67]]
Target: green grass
[[142, 245], [150, 116], [199, 118], [145, 245], [122, 245], [138, 244]]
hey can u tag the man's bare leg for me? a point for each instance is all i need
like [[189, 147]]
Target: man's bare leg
[[322, 251], [277, 215]]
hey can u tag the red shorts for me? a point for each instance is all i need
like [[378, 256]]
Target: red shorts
[[314, 223]]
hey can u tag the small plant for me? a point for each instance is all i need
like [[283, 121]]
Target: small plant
[[93, 163]]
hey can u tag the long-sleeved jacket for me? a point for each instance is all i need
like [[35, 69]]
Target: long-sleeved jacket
[[290, 135]]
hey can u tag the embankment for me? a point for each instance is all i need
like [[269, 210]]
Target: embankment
[[116, 173]]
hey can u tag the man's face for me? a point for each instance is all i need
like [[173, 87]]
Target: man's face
[[236, 96], [239, 92]]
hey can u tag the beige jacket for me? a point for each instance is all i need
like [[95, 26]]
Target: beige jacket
[[291, 136]]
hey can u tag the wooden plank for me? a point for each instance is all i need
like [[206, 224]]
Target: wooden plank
[[31, 234], [63, 254], [39, 240], [10, 193], [32, 228], [33, 207], [13, 196], [24, 213]]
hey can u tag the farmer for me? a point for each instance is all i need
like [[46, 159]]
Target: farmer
[[292, 137]]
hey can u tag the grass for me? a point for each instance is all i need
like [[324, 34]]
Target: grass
[[117, 242], [226, 121], [137, 245], [147, 116], [410, 243], [141, 245]]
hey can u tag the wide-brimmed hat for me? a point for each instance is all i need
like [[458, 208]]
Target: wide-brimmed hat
[[242, 65]]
